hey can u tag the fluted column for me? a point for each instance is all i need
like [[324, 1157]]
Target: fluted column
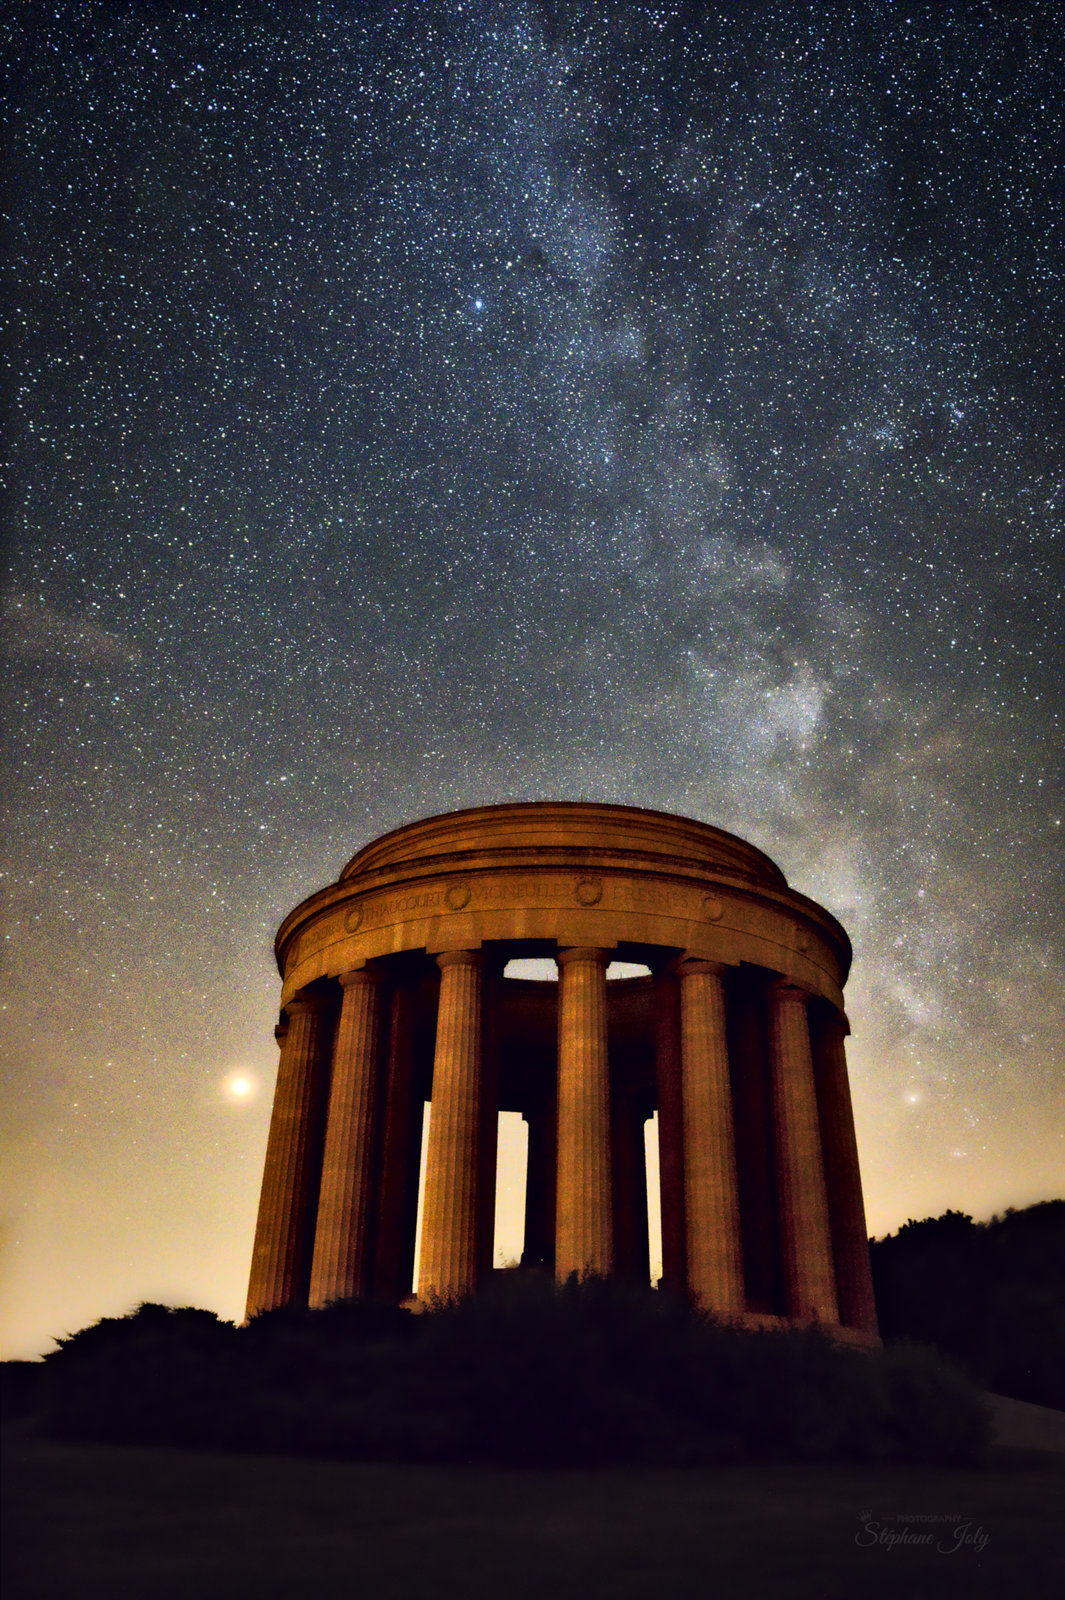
[[280, 1262], [670, 1128], [450, 1217], [628, 1159], [342, 1238], [491, 1003], [806, 1244], [843, 1182], [583, 1231], [397, 1202], [540, 1182], [755, 1163], [715, 1265]]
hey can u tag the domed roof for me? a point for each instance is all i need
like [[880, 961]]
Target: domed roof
[[549, 829]]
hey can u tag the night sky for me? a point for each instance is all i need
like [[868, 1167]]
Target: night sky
[[428, 405]]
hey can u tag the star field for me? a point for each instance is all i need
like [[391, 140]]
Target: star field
[[417, 406]]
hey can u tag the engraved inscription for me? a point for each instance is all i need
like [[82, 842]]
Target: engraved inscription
[[535, 889], [653, 897], [456, 896], [401, 905], [521, 889]]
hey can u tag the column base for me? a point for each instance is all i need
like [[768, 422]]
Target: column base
[[764, 1321], [746, 1322]]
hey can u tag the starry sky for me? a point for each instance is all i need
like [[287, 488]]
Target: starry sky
[[425, 405]]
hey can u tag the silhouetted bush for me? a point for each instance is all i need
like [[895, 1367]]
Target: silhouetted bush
[[525, 1373], [991, 1295], [20, 1388], [159, 1376]]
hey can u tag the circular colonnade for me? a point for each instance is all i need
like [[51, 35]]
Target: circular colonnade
[[394, 994]]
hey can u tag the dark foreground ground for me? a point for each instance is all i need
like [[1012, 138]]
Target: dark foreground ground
[[93, 1521]]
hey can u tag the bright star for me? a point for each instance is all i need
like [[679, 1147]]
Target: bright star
[[240, 1087]]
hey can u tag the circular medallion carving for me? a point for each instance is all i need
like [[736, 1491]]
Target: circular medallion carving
[[457, 896], [353, 919], [588, 891], [712, 907]]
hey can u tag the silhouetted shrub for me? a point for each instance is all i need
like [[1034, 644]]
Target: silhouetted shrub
[[991, 1295], [157, 1376], [525, 1373], [582, 1374], [20, 1388]]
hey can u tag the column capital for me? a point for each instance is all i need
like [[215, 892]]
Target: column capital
[[789, 992], [358, 975], [281, 1031], [459, 958], [305, 1005], [694, 966], [581, 952], [664, 965]]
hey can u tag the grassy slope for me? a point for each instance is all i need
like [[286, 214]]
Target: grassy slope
[[94, 1522]]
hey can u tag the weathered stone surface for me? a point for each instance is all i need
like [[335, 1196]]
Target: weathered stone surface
[[583, 1223], [284, 1231], [715, 1269], [521, 872], [342, 1240], [806, 1245], [449, 1227], [843, 1183]]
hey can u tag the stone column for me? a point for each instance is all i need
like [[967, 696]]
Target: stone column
[[670, 1129], [541, 1167], [748, 1052], [450, 1217], [583, 1232], [343, 1236], [843, 1182], [715, 1264], [491, 1004], [628, 1161], [806, 1244], [280, 1263], [397, 1203]]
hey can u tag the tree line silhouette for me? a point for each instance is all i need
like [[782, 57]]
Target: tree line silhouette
[[990, 1295]]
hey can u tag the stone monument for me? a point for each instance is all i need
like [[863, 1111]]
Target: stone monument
[[394, 993]]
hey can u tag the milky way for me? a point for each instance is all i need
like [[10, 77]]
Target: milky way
[[430, 405]]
